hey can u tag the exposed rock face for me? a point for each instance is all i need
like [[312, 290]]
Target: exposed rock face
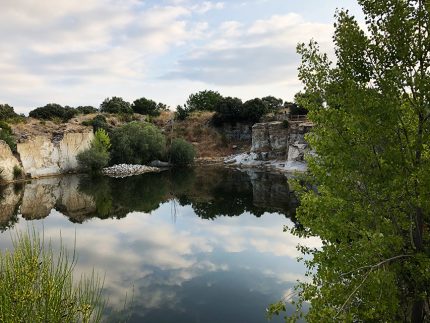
[[61, 193], [275, 146], [42, 156], [273, 140], [270, 137], [237, 132], [9, 203], [7, 161]]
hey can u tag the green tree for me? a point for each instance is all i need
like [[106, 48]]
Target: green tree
[[7, 112], [137, 143], [203, 101], [273, 104], [116, 105], [371, 168], [253, 110], [181, 152], [95, 158], [181, 113], [86, 109], [228, 110], [7, 136], [146, 106], [53, 111]]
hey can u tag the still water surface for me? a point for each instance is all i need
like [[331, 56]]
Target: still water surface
[[199, 245]]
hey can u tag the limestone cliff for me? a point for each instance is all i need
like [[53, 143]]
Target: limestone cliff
[[42, 155], [7, 162]]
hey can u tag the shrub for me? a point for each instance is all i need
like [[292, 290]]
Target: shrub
[[273, 104], [228, 110], [97, 156], [7, 136], [146, 106], [181, 152], [181, 113], [115, 105], [98, 122], [253, 110], [203, 100], [17, 172], [53, 111], [137, 143], [7, 113], [92, 160], [87, 109], [38, 286]]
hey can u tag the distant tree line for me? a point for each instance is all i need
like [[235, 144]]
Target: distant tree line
[[232, 109]]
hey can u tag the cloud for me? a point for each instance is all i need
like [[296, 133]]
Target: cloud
[[261, 52]]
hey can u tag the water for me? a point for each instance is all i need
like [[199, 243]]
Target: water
[[202, 245]]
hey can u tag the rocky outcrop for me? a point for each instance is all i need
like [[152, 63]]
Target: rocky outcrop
[[43, 156], [7, 162], [237, 132], [10, 197], [61, 193], [270, 138], [276, 145]]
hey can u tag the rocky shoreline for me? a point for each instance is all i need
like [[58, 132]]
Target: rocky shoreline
[[125, 170]]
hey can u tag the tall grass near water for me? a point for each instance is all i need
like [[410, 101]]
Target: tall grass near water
[[37, 284]]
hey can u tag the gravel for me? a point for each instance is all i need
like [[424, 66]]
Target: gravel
[[125, 170]]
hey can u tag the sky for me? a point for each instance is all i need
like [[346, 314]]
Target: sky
[[80, 52]]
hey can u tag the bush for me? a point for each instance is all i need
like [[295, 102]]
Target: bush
[[87, 109], [146, 106], [98, 122], [7, 136], [181, 113], [96, 157], [253, 110], [7, 113], [116, 105], [181, 152], [137, 143], [228, 110], [53, 111], [17, 172], [38, 286], [203, 100]]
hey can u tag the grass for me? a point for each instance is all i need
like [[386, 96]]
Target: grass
[[37, 285]]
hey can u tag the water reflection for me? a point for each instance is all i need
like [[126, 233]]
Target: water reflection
[[143, 232]]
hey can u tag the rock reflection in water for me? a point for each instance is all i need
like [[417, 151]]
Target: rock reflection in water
[[217, 259], [210, 192]]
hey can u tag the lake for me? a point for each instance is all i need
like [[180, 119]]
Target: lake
[[197, 245]]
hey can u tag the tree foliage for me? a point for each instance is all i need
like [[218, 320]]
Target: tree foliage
[[7, 136], [116, 105], [53, 111], [148, 107], [273, 104], [371, 111], [137, 143], [253, 110], [95, 158], [86, 109], [203, 101], [181, 152], [7, 113]]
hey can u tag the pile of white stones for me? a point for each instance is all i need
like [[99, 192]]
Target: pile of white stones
[[124, 170]]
